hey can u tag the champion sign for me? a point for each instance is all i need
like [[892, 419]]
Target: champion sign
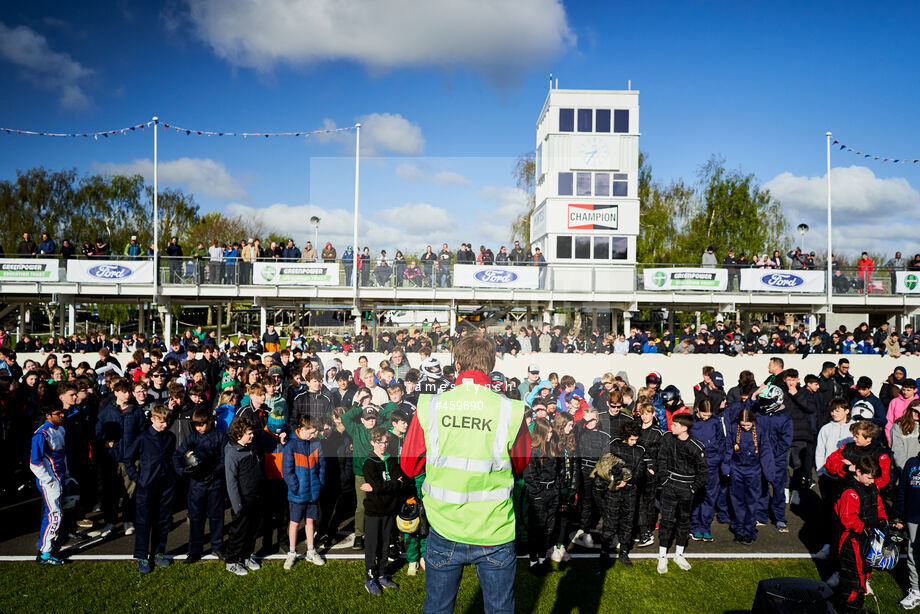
[[782, 280], [496, 276]]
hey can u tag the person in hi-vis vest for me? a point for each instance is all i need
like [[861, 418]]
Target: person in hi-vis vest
[[469, 441]]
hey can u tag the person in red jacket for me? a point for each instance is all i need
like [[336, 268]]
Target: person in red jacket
[[842, 463], [864, 269], [859, 512]]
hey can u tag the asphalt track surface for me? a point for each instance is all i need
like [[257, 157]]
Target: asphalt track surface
[[19, 524]]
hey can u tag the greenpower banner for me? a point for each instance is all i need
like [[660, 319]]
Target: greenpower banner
[[686, 279], [29, 269], [907, 282], [295, 274]]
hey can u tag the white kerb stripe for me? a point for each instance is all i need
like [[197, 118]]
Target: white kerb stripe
[[459, 498]]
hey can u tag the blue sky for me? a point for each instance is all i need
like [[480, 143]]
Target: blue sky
[[449, 92]]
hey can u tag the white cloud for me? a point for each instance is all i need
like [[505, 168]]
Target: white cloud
[[198, 175], [868, 212], [507, 203], [498, 39], [409, 172], [381, 133], [450, 178], [854, 189], [43, 67], [417, 217]]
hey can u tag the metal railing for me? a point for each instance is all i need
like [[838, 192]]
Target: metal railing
[[574, 275]]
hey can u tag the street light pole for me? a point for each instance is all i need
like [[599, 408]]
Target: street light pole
[[357, 253], [830, 258], [156, 221], [315, 221]]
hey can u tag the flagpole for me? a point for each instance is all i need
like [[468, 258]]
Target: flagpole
[[156, 221], [357, 253], [830, 258]]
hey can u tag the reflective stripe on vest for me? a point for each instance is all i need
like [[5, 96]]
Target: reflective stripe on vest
[[498, 462], [459, 498]]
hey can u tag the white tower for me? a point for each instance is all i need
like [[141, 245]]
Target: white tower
[[587, 167]]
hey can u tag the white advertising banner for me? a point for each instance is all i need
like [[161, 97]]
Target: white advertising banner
[[781, 280], [686, 279], [29, 269], [296, 273], [907, 282], [473, 276], [110, 271]]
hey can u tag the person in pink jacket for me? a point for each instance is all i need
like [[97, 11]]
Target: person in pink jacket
[[898, 405]]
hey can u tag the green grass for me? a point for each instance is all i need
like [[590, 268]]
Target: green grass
[[712, 586]]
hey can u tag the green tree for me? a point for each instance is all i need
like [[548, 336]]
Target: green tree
[[216, 225], [524, 174], [661, 208], [731, 211]]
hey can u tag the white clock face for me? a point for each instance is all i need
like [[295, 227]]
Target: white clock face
[[593, 152]]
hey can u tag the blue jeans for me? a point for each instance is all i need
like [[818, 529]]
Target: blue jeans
[[444, 561]]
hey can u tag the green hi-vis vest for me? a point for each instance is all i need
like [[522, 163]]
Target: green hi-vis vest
[[468, 479]]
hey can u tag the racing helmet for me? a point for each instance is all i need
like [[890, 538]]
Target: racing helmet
[[882, 553], [409, 517], [653, 378], [431, 367], [193, 464], [770, 400], [862, 410], [498, 381], [670, 396]]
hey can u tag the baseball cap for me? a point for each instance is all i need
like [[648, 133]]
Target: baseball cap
[[533, 369], [146, 361], [370, 412], [134, 237], [717, 379]]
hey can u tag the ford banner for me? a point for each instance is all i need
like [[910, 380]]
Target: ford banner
[[473, 276], [110, 271], [781, 280]]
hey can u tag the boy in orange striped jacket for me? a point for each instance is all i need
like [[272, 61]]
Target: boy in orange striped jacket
[[304, 469]]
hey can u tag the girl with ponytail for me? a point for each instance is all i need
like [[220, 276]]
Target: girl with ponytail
[[749, 456]]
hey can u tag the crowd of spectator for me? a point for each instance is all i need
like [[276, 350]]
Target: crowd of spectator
[[290, 396], [725, 338], [232, 262]]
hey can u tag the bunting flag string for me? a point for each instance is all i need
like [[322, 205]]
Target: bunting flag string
[[304, 133], [888, 159], [105, 133], [168, 126]]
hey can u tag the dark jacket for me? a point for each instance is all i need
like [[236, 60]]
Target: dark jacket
[[243, 473], [303, 466], [210, 450], [682, 463], [153, 453], [802, 408], [110, 427], [389, 485], [317, 405]]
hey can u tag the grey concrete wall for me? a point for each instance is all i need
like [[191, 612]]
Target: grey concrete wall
[[682, 371]]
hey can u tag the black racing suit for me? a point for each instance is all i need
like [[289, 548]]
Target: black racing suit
[[620, 505], [682, 471]]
